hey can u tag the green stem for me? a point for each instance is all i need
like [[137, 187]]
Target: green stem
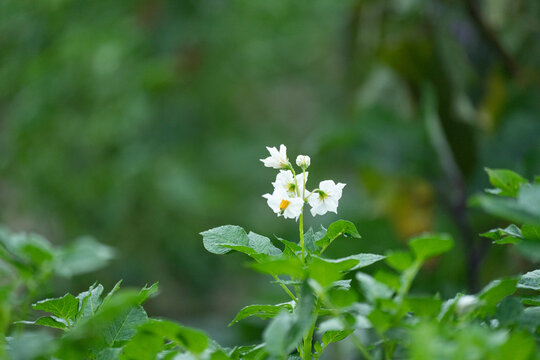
[[309, 337], [284, 287], [302, 237]]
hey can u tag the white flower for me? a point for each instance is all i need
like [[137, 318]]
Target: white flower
[[283, 204], [277, 159], [326, 197], [303, 161], [285, 180], [466, 303]]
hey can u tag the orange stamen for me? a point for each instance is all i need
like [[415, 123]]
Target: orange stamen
[[283, 205]]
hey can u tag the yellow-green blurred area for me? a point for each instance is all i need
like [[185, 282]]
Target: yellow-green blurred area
[[142, 123]]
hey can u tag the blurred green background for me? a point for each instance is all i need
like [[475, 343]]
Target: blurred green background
[[142, 123]]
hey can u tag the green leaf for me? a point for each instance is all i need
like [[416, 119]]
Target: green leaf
[[507, 182], [286, 330], [508, 235], [519, 346], [495, 291], [262, 245], [509, 310], [215, 239], [530, 280], [49, 321], [531, 232], [311, 237], [65, 307], [109, 354], [84, 255], [336, 229], [523, 210], [286, 265], [89, 301], [147, 292], [294, 247], [325, 272], [335, 336], [372, 289], [124, 325], [261, 311], [190, 339], [399, 260], [428, 307], [144, 345], [429, 245]]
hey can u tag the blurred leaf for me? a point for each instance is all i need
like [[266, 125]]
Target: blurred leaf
[[286, 265], [509, 235], [495, 291], [190, 339], [399, 260], [82, 256], [530, 280], [372, 289], [507, 182], [429, 245]]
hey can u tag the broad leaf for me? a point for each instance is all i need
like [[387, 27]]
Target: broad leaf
[[429, 245], [399, 260], [124, 325], [530, 280], [372, 289], [49, 321], [262, 245], [497, 290], [507, 182], [215, 238], [508, 235], [65, 307], [286, 265], [261, 311], [84, 255], [336, 229], [190, 339]]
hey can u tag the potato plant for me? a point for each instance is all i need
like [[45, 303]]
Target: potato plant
[[325, 300]]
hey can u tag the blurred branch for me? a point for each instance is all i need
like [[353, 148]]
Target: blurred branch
[[489, 35], [457, 192]]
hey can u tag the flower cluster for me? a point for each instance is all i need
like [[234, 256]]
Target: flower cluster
[[290, 193]]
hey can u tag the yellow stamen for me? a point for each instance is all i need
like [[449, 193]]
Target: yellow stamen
[[283, 205]]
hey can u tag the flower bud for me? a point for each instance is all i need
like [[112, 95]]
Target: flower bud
[[303, 161]]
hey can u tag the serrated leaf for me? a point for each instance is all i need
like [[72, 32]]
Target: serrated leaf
[[336, 229], [399, 260], [89, 301], [530, 280], [507, 181], [111, 293], [124, 325], [429, 245], [65, 307], [261, 311], [109, 354], [215, 238], [147, 292]]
